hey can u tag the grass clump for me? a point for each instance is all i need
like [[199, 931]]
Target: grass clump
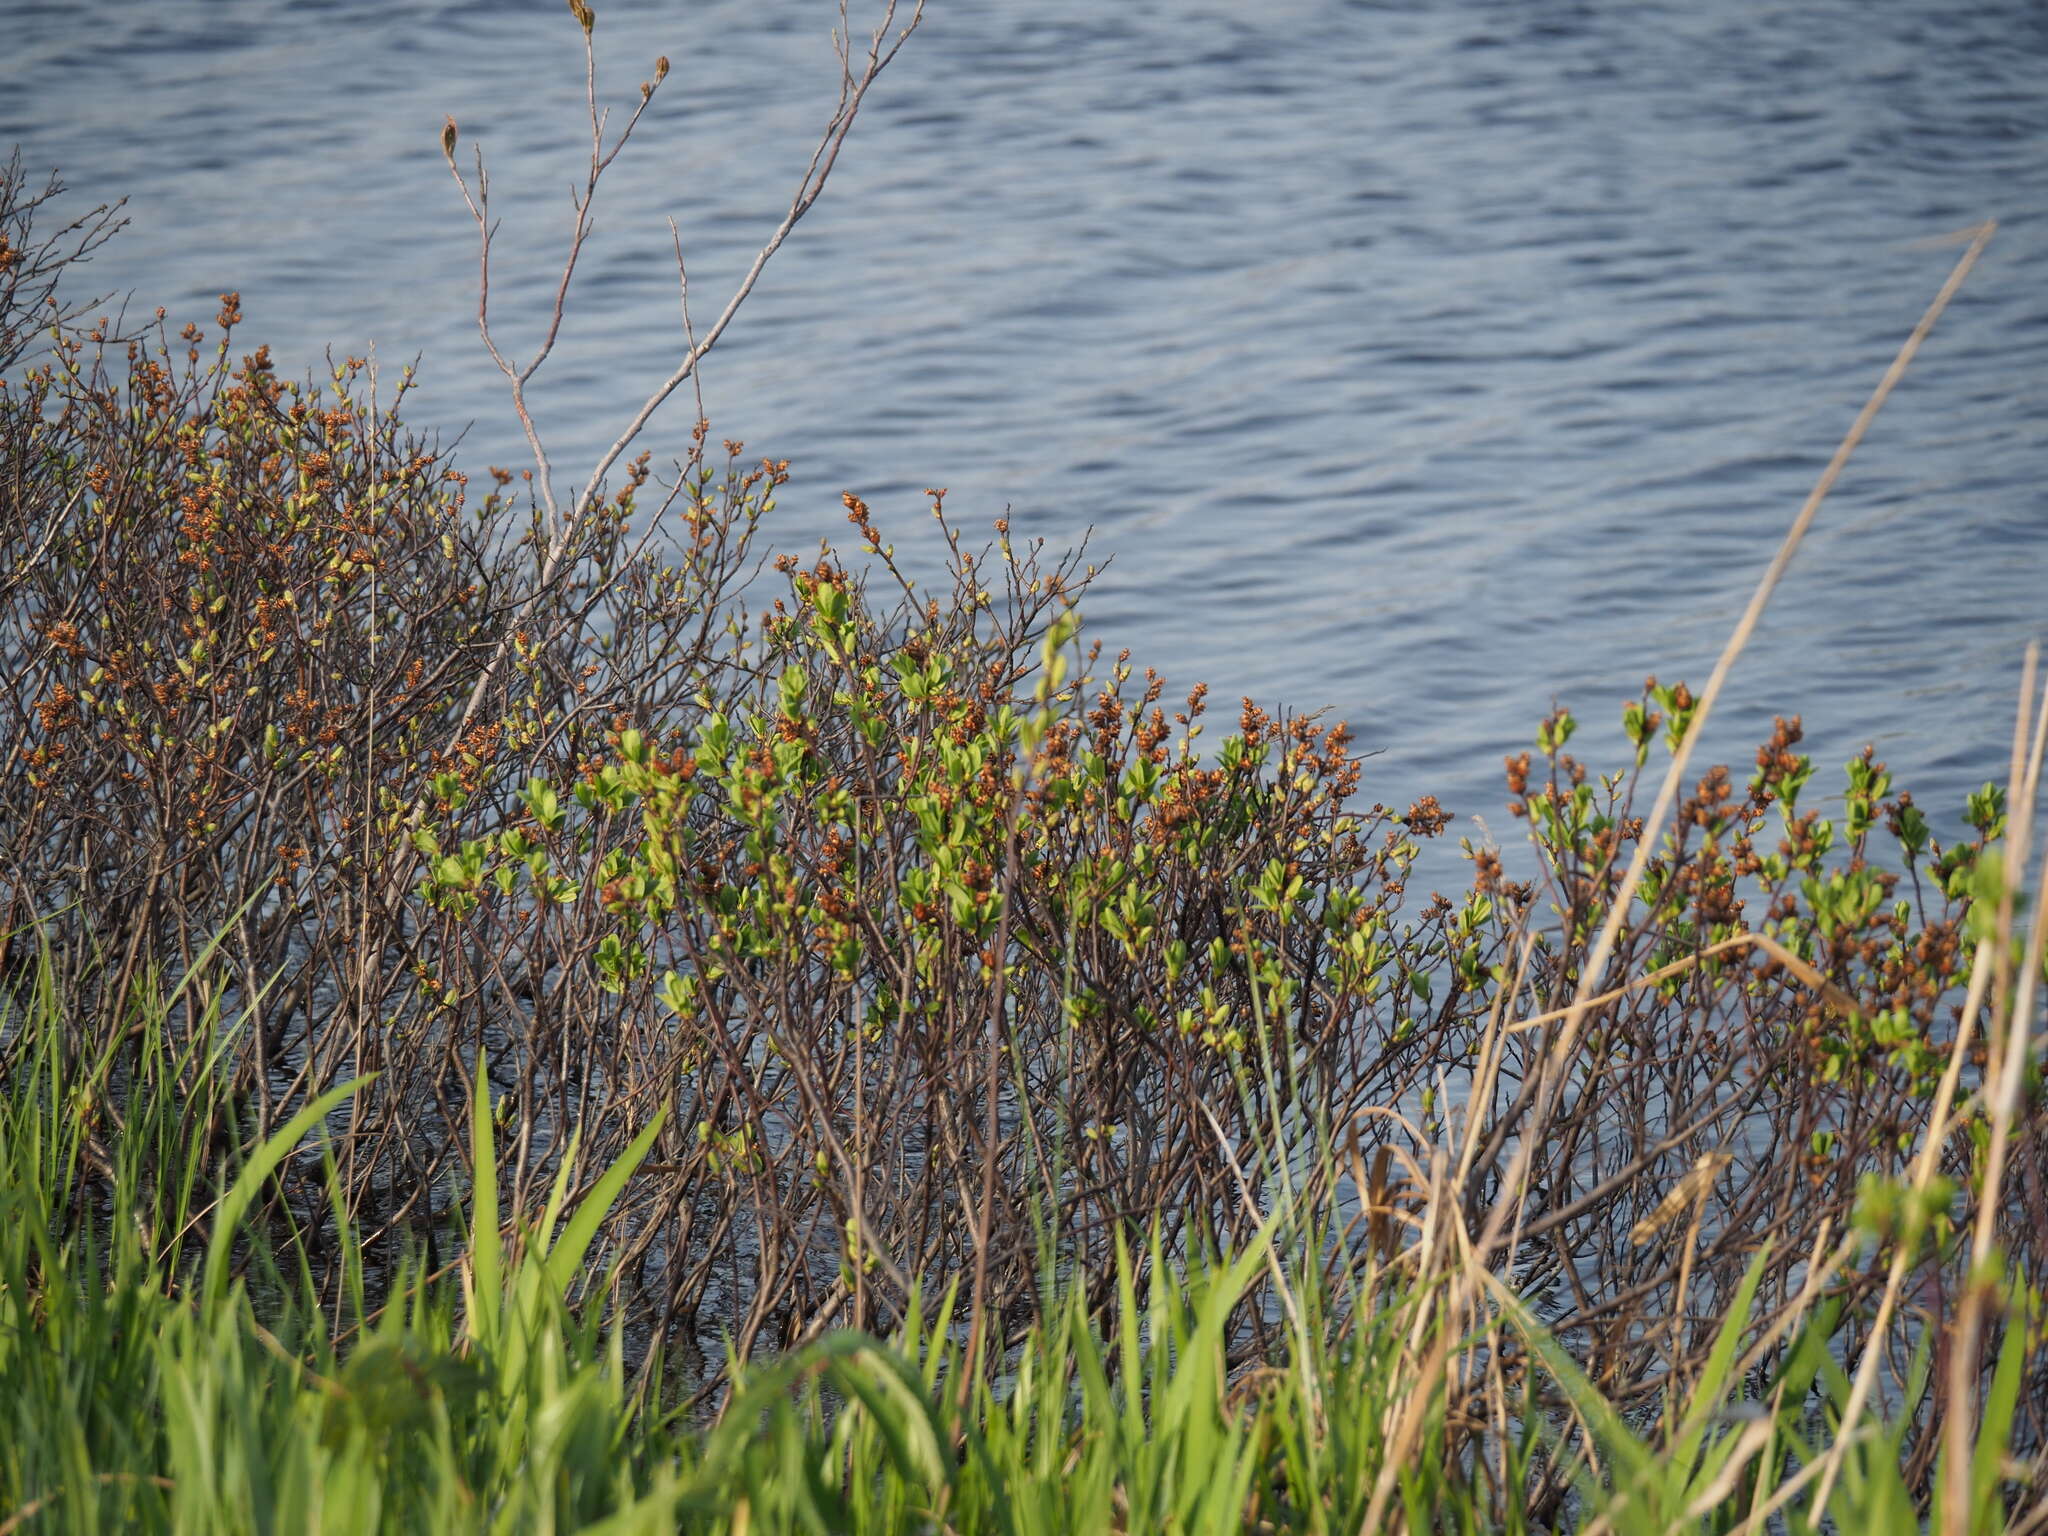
[[167, 1363]]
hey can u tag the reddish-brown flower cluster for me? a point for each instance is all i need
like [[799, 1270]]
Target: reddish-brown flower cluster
[[1426, 818]]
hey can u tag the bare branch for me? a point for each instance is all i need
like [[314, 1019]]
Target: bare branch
[[883, 45], [853, 91]]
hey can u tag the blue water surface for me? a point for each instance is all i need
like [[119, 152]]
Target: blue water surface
[[1426, 362]]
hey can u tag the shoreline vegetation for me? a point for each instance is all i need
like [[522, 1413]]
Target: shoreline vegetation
[[527, 1011]]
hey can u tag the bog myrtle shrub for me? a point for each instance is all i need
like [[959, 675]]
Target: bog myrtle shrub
[[935, 945]]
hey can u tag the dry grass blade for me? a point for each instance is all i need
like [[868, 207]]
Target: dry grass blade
[[1603, 946], [1697, 1181], [1928, 1163], [1837, 999], [2010, 1034]]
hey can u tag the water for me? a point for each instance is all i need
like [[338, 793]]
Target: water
[[1423, 362]]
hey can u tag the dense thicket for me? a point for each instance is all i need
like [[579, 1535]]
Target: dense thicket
[[940, 946]]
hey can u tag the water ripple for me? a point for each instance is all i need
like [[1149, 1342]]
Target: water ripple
[[1426, 361]]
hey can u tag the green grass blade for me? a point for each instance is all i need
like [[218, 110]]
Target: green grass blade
[[242, 1194], [486, 1274]]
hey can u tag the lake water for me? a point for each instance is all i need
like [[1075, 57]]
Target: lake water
[[1426, 362]]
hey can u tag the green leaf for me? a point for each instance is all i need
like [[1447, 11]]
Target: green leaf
[[1708, 1392], [566, 1256]]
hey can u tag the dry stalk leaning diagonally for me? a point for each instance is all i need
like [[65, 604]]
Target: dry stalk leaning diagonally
[[1508, 1210], [2024, 777], [1462, 1297], [1667, 793], [2011, 1021]]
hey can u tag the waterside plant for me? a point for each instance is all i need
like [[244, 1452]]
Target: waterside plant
[[524, 1011]]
